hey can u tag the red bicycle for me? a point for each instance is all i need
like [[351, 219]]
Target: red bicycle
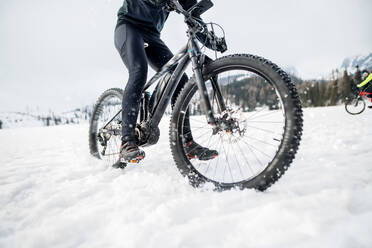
[[357, 104]]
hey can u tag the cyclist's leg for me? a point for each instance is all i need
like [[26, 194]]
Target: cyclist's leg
[[159, 54], [129, 42]]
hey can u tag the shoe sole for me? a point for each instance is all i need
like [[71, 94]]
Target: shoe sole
[[136, 160], [193, 157]]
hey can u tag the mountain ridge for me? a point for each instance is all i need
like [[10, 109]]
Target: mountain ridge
[[362, 61]]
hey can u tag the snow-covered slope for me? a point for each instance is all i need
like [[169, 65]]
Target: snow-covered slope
[[17, 120], [53, 194], [363, 61], [37, 119]]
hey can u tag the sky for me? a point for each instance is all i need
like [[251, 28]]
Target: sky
[[60, 55]]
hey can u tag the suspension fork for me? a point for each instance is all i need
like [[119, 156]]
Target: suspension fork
[[194, 53], [218, 94]]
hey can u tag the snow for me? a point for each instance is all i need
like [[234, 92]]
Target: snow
[[53, 194], [38, 119], [17, 120]]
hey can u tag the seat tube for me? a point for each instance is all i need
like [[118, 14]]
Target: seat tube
[[194, 53]]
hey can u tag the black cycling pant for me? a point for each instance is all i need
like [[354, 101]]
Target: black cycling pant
[[129, 41]]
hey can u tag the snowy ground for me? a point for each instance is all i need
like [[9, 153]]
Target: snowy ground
[[53, 194]]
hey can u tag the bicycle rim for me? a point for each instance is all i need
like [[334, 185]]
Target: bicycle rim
[[355, 106], [255, 106], [109, 132]]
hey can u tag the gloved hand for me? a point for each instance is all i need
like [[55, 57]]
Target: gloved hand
[[212, 41], [221, 45]]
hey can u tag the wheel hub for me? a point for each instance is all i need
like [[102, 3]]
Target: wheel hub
[[230, 122]]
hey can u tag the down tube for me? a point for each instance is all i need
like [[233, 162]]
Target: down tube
[[161, 106]]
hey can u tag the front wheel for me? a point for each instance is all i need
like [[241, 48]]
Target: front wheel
[[259, 124], [355, 106]]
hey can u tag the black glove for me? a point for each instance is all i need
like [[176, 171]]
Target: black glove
[[212, 41], [221, 45]]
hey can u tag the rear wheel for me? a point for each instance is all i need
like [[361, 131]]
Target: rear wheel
[[105, 135], [259, 124], [355, 106]]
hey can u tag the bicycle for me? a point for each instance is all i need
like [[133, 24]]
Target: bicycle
[[357, 104], [243, 106]]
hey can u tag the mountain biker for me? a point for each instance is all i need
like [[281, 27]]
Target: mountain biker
[[366, 84], [137, 39]]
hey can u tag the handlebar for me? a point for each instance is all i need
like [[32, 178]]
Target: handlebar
[[174, 5], [193, 20], [195, 11]]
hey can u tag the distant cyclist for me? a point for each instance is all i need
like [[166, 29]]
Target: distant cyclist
[[366, 84]]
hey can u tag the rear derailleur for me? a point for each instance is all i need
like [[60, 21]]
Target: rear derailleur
[[105, 134]]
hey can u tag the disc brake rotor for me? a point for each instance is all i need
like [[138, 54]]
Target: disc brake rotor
[[231, 124]]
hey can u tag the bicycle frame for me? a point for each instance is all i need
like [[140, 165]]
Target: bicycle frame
[[366, 95], [177, 66], [189, 53]]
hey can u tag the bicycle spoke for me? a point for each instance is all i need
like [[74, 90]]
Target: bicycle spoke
[[218, 159], [263, 142], [255, 113], [243, 154], [274, 122], [236, 158], [271, 112], [209, 163], [261, 129], [256, 149], [228, 151]]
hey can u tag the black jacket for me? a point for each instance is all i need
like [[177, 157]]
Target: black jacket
[[147, 14]]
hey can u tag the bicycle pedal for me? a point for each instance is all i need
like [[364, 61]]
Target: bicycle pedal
[[136, 160], [191, 156]]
